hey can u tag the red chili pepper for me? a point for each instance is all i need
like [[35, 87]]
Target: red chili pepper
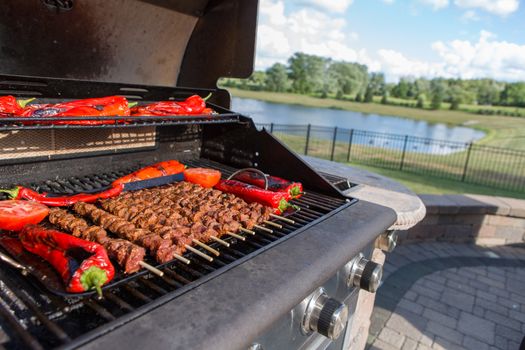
[[90, 107], [275, 184], [20, 192], [168, 167], [250, 193], [10, 106], [191, 106], [83, 265]]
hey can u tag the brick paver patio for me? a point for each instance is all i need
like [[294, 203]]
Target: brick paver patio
[[451, 296]]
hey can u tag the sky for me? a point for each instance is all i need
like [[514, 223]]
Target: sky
[[402, 38]]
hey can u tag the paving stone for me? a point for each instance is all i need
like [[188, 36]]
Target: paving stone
[[490, 305], [499, 291], [517, 298], [443, 344], [381, 345], [496, 276], [392, 337], [458, 299], [440, 318], [429, 283], [503, 320], [478, 311], [411, 306], [508, 333], [485, 295], [426, 291], [476, 327], [423, 347], [410, 295], [515, 286], [407, 323], [409, 344], [513, 345], [500, 342], [491, 282], [444, 332], [427, 339], [435, 305], [473, 344], [461, 286], [517, 315]]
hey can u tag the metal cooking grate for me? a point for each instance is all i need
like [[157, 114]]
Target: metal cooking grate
[[34, 318]]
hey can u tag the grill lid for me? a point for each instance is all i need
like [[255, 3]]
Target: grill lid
[[151, 42]]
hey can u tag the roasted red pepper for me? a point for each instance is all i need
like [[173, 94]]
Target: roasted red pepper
[[90, 107], [275, 184], [83, 265], [10, 106], [167, 167], [250, 193], [20, 192], [191, 106]]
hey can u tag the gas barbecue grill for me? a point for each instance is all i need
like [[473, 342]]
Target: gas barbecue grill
[[293, 286]]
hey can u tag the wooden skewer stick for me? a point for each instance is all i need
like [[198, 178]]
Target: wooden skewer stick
[[151, 268], [234, 235], [220, 241], [207, 247], [282, 218], [262, 228], [181, 258], [245, 230], [271, 223], [201, 254]]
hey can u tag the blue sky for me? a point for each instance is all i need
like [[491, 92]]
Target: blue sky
[[450, 38]]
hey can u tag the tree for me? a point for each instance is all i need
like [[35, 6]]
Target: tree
[[514, 94], [277, 78], [421, 101], [401, 89], [358, 98], [369, 94], [348, 78], [307, 72], [437, 91], [384, 99], [377, 83]]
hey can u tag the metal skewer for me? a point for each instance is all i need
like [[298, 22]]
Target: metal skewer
[[271, 223], [181, 258], [151, 268], [220, 241], [207, 247], [262, 228], [245, 230], [199, 253], [234, 235], [282, 218]]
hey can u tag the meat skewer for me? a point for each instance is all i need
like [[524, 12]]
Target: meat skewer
[[129, 256], [163, 249]]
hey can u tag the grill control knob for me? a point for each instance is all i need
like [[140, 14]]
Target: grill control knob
[[325, 315], [387, 241], [364, 274]]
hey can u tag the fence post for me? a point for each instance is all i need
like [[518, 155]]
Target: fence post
[[403, 154], [469, 149], [350, 145], [333, 144], [271, 128], [307, 139]]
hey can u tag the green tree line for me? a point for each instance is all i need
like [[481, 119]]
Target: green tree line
[[324, 77]]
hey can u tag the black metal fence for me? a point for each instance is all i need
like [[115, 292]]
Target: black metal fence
[[467, 162]]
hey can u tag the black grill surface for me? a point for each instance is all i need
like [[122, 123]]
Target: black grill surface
[[35, 318]]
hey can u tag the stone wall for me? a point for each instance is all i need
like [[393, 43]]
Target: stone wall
[[483, 220]]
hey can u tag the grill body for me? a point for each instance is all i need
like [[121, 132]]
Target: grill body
[[160, 50]]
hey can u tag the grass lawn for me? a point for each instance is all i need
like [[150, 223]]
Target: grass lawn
[[507, 132], [435, 185]]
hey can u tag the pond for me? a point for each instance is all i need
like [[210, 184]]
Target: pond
[[266, 112]]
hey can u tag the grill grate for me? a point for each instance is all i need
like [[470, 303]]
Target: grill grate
[[35, 318]]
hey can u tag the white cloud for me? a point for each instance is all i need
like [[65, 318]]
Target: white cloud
[[306, 30], [388, 1], [470, 16], [338, 6], [436, 4], [497, 7]]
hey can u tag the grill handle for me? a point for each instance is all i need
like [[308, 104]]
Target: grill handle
[[253, 170], [15, 264]]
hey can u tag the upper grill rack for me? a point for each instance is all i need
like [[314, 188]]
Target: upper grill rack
[[36, 319]]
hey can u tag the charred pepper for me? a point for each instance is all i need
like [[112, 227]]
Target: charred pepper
[[84, 266], [193, 105], [251, 193], [275, 184], [10, 106]]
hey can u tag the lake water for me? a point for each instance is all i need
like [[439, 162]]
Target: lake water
[[266, 112]]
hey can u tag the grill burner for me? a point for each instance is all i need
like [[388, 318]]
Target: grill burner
[[39, 319]]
